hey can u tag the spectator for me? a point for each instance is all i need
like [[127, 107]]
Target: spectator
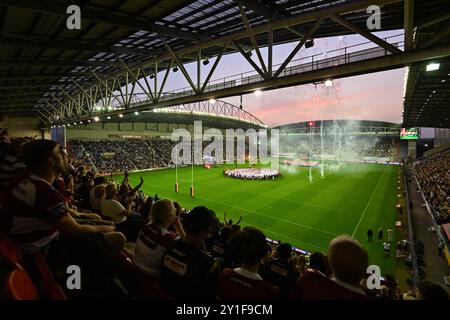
[[219, 247], [245, 283], [125, 220], [10, 163], [93, 201], [146, 209], [278, 271], [112, 208], [155, 237], [427, 290], [348, 262], [319, 261], [38, 216], [188, 272]]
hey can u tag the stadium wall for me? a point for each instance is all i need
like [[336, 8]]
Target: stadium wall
[[24, 127], [412, 149], [114, 130], [118, 130]]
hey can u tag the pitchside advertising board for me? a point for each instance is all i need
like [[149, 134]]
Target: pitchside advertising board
[[409, 134]]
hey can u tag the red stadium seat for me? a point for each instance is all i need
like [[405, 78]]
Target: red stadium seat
[[161, 294], [18, 286], [11, 253], [14, 257], [45, 274], [51, 289], [138, 284]]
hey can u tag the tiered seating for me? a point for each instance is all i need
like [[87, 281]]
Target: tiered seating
[[433, 175]]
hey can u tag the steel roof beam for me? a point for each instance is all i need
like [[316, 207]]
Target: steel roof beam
[[125, 21], [57, 63], [282, 24], [270, 13]]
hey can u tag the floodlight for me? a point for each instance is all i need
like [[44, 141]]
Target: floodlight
[[433, 66]]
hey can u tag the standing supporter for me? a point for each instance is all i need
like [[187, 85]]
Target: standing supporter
[[188, 272], [155, 238], [245, 283]]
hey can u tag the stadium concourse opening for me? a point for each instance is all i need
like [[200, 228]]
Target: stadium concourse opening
[[334, 118]]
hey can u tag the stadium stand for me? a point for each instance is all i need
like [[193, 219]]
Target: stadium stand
[[433, 174], [280, 266], [116, 156]]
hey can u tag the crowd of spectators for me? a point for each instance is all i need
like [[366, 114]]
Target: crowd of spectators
[[73, 217], [343, 147], [433, 175], [112, 156]]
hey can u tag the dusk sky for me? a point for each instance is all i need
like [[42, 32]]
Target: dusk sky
[[376, 96]]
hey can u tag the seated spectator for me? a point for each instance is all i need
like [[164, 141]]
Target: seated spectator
[[154, 239], [93, 201], [111, 208], [348, 262], [301, 264], [384, 293], [146, 209], [219, 246], [188, 272], [10, 163], [83, 190], [125, 220], [213, 235], [319, 262], [427, 290], [279, 273], [245, 283], [40, 221], [126, 191]]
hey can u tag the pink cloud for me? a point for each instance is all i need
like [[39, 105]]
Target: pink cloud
[[376, 96]]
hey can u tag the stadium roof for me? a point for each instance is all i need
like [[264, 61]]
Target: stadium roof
[[427, 96], [218, 114], [43, 64]]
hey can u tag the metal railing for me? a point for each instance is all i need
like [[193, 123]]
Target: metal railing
[[412, 241]]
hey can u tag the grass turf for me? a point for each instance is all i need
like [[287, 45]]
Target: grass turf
[[291, 209]]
